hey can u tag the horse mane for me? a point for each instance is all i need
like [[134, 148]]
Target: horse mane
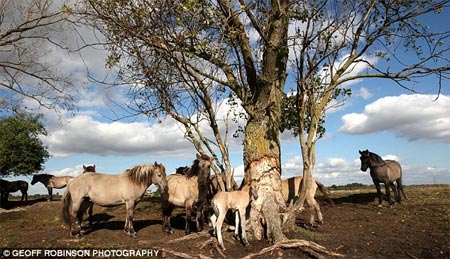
[[376, 159], [140, 174], [195, 169]]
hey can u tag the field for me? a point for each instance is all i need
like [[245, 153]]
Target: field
[[355, 227]]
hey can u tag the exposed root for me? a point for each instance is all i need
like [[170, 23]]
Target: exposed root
[[310, 247], [182, 255], [213, 241], [190, 237]]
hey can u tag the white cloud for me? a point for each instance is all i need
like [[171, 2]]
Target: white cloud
[[84, 135], [414, 117], [364, 93]]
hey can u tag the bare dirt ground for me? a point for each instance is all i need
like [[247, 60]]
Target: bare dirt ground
[[355, 227]]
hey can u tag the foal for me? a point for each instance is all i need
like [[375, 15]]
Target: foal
[[237, 201]]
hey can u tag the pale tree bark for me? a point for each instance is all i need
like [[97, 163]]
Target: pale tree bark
[[262, 142]]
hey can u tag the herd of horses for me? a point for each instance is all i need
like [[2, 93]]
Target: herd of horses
[[192, 188]]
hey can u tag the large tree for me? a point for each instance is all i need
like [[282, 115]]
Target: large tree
[[21, 150], [184, 55]]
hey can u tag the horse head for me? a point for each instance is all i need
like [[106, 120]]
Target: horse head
[[89, 169], [201, 167], [159, 177], [35, 180], [365, 159]]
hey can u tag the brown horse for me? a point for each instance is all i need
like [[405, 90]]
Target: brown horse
[[234, 200], [50, 182], [110, 190], [189, 191], [7, 187], [383, 171], [289, 190]]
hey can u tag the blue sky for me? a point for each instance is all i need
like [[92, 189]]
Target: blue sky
[[379, 116]]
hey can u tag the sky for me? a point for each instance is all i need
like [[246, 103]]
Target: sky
[[413, 129]]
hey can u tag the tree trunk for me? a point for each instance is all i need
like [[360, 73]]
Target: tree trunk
[[261, 157]]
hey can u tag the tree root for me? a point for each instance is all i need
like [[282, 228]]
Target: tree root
[[182, 255], [307, 246], [190, 237], [213, 241]]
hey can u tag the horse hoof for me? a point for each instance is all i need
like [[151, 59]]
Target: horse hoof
[[168, 231], [380, 206]]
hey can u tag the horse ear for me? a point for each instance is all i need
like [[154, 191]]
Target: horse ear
[[84, 167], [93, 166], [156, 163], [197, 155], [360, 152]]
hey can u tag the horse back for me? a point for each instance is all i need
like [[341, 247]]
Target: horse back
[[182, 189]]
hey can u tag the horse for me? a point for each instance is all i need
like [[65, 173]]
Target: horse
[[189, 191], [50, 182], [289, 191], [235, 200], [7, 187], [383, 171], [110, 190]]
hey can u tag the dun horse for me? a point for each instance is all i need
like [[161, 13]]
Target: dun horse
[[50, 182], [236, 201], [110, 190], [188, 190], [383, 171], [7, 187], [290, 188]]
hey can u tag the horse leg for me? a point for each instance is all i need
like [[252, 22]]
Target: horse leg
[[188, 211], [213, 220], [167, 212], [75, 227], [380, 198], [50, 193], [388, 193], [243, 227], [90, 212], [218, 228], [199, 221], [395, 190], [23, 195], [129, 219]]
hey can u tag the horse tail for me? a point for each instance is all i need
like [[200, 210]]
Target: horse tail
[[324, 191], [67, 201], [400, 188]]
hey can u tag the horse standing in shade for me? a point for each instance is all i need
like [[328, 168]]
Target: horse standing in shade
[[290, 188], [383, 171], [237, 201], [110, 190], [7, 187], [50, 182], [188, 190]]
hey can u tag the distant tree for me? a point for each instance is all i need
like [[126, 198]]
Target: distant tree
[[21, 150]]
